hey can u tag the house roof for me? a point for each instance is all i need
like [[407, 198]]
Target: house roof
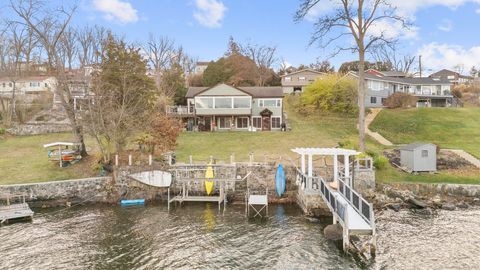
[[303, 70], [446, 72], [413, 146], [408, 80], [202, 63], [254, 91], [28, 78], [394, 73]]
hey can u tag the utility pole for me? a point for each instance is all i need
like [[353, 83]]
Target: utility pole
[[420, 65]]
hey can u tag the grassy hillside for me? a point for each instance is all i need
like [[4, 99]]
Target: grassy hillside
[[448, 127]]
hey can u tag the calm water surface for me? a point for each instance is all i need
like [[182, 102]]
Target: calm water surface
[[198, 236]]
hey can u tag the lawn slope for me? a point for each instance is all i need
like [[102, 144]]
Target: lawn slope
[[447, 127]]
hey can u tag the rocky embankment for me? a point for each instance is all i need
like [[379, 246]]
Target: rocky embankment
[[388, 197]]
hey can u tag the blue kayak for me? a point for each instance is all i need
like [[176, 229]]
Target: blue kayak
[[132, 202], [280, 181]]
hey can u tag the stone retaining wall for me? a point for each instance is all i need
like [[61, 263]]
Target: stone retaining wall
[[97, 189], [36, 129]]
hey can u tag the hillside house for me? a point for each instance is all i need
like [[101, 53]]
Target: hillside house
[[454, 77], [27, 87], [295, 82], [431, 92], [224, 107]]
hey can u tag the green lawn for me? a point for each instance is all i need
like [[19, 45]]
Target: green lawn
[[24, 160], [448, 127]]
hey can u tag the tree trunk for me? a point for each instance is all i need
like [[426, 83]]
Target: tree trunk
[[13, 113], [361, 99]]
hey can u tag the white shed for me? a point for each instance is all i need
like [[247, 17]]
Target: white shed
[[419, 157]]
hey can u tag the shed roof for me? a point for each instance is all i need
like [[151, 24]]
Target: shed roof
[[413, 146]]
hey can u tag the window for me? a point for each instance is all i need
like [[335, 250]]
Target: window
[[34, 84], [276, 122], [224, 122], [241, 102], [373, 100], [418, 89], [257, 122], [204, 103], [301, 78], [383, 101], [288, 79], [3, 84], [46, 84], [223, 103], [438, 89], [450, 77], [270, 103], [242, 122], [427, 90], [424, 153]]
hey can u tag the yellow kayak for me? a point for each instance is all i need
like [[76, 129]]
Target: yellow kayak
[[209, 184]]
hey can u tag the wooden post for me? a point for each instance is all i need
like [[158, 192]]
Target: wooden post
[[150, 160], [190, 159], [303, 163], [346, 162], [130, 160], [251, 158], [60, 155], [116, 160], [232, 159]]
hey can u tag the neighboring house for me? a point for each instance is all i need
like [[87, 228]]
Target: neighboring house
[[431, 92], [200, 67], [27, 87], [454, 77], [296, 82], [224, 107]]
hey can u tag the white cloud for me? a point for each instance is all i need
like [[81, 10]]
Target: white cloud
[[392, 30], [409, 7], [209, 13], [116, 10], [437, 56], [445, 26], [477, 11]]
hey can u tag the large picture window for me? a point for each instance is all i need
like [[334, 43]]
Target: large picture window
[[223, 103], [270, 103], [204, 103], [241, 102], [257, 122], [276, 122], [242, 122]]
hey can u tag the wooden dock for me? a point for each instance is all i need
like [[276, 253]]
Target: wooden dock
[[14, 207]]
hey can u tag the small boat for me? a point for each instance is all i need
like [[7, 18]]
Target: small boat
[[153, 178], [280, 181], [132, 202], [208, 183]]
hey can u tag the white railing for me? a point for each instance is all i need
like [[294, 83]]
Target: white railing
[[362, 206], [338, 209], [179, 110], [363, 164]]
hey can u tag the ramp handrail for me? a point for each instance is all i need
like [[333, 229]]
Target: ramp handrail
[[338, 209], [362, 206]]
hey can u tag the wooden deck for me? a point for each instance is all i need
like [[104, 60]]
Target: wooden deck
[[15, 211]]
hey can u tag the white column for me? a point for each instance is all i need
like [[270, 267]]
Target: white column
[[346, 161], [303, 163], [310, 165], [335, 169]]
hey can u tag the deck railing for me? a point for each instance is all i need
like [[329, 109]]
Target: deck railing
[[362, 206], [179, 110], [338, 209]]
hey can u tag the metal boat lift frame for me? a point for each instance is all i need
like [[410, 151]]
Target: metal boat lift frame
[[189, 171]]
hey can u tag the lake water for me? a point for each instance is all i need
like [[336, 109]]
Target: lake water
[[199, 236]]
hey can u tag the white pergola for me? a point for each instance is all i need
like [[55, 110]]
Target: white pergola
[[334, 152]]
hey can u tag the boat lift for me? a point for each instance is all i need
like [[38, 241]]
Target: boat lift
[[193, 174], [14, 207], [63, 152]]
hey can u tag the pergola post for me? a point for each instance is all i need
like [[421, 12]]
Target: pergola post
[[346, 162], [303, 163], [310, 171], [335, 169]]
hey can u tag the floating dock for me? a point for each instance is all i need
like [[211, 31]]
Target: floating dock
[[14, 207]]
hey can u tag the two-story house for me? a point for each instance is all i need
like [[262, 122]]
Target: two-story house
[[27, 87], [431, 92], [295, 82], [224, 107], [454, 77]]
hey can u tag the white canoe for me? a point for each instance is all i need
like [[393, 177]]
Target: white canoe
[[153, 178]]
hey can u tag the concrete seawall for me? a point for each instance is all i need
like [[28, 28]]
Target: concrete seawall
[[454, 190]]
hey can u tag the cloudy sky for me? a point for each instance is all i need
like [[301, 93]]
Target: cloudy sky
[[445, 32]]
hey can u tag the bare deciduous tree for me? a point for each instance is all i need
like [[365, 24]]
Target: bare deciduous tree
[[264, 57], [50, 26], [355, 19], [387, 54]]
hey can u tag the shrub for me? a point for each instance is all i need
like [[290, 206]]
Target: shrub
[[380, 162], [2, 131], [457, 92], [401, 100], [331, 93]]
